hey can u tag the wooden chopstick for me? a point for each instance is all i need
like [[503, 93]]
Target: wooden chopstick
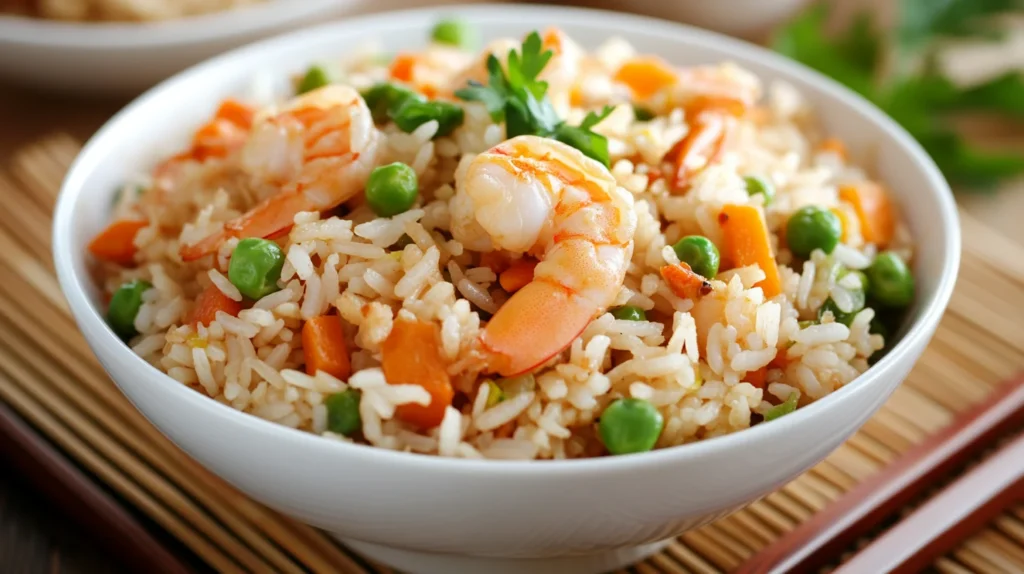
[[68, 488], [815, 541], [939, 525]]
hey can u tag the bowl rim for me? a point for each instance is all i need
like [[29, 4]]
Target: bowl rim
[[626, 25], [179, 32]]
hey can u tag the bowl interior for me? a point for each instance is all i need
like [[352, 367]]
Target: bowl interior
[[161, 121]]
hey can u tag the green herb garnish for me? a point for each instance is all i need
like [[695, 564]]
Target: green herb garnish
[[593, 145], [515, 96], [911, 88]]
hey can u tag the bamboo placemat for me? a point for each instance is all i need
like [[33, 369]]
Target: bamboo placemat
[[48, 374]]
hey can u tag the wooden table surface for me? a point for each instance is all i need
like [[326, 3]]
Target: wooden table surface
[[36, 538]]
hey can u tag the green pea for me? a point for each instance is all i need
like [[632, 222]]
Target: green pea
[[642, 114], [494, 393], [385, 99], [629, 313], [813, 228], [392, 189], [414, 113], [700, 254], [316, 77], [630, 425], [782, 409], [455, 33], [124, 306], [343, 412], [840, 316], [255, 267], [757, 184], [890, 281]]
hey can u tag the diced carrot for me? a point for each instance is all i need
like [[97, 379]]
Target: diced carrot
[[402, 67], [874, 211], [836, 146], [684, 282], [236, 112], [116, 243], [758, 377], [430, 91], [517, 275], [646, 76], [576, 96], [495, 260], [844, 221], [554, 40], [411, 355], [720, 104], [209, 302], [217, 139], [697, 149], [747, 242], [224, 133], [323, 346], [780, 361]]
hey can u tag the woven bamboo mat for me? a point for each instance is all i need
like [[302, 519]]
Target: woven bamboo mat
[[48, 374]]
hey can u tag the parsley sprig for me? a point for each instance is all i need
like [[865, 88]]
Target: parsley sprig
[[910, 87], [518, 97]]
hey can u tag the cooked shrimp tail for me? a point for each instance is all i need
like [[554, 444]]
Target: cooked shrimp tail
[[544, 198]]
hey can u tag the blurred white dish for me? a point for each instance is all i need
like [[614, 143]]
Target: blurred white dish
[[428, 514], [736, 17], [126, 58]]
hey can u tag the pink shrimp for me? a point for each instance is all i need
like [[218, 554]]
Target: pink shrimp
[[542, 197], [319, 150]]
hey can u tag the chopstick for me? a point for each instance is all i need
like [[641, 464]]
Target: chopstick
[[813, 543], [69, 489], [943, 521]]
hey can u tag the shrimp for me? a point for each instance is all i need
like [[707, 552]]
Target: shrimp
[[218, 138], [713, 97], [546, 199], [318, 150], [724, 88], [563, 71]]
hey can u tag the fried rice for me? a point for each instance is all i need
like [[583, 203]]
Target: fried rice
[[711, 363]]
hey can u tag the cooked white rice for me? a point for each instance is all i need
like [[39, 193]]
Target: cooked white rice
[[711, 365]]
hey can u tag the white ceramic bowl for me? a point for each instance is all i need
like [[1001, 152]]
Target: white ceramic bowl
[[429, 514], [126, 58]]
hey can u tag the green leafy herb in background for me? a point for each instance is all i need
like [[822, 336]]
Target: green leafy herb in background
[[913, 90]]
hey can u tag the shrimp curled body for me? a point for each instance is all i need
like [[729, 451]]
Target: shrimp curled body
[[318, 151], [544, 198]]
